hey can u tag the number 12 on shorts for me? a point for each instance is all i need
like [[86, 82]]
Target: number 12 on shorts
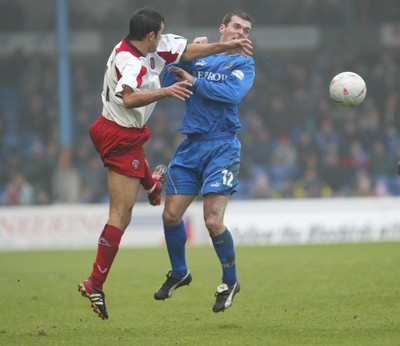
[[227, 177]]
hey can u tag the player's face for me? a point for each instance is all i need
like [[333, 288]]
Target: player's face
[[237, 28], [156, 39]]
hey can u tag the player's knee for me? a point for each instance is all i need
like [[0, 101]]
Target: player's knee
[[121, 219], [170, 218], [214, 225]]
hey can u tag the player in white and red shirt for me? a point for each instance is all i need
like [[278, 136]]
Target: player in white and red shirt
[[130, 91]]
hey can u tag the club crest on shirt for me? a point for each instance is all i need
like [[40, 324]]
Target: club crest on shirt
[[152, 63], [228, 65], [135, 164]]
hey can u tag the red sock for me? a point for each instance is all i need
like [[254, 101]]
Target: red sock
[[107, 248], [148, 181]]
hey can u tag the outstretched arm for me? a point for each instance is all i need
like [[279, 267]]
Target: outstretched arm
[[132, 99], [231, 90], [200, 50]]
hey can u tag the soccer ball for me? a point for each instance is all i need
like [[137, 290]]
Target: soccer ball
[[347, 89]]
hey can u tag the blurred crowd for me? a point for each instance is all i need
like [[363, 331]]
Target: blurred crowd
[[106, 15], [296, 143]]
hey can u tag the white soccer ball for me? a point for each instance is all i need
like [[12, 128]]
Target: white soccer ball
[[347, 89]]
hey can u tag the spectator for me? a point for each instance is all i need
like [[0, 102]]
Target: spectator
[[310, 185], [363, 186], [19, 191], [380, 162], [66, 182], [261, 187], [283, 163]]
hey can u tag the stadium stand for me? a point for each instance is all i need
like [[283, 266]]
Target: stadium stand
[[296, 143]]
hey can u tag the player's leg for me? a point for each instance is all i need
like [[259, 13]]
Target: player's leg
[[183, 186], [175, 237], [214, 210], [126, 166], [123, 191], [175, 232], [220, 182], [153, 183]]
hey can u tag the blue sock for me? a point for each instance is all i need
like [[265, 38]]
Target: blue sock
[[224, 247], [175, 237]]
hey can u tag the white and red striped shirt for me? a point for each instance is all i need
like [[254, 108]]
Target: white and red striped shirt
[[127, 66]]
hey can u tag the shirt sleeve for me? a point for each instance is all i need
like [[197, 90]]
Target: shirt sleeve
[[130, 72], [171, 48], [233, 88]]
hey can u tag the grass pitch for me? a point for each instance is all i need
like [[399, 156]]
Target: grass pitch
[[347, 294]]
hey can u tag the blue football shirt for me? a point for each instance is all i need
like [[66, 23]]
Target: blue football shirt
[[221, 83]]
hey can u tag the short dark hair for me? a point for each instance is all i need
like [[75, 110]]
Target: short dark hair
[[228, 17], [144, 21]]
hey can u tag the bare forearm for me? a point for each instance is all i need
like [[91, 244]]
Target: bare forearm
[[200, 50], [137, 99], [143, 98]]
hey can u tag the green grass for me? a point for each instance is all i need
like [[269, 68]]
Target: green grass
[[346, 294]]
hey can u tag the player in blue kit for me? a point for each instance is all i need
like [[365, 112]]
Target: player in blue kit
[[208, 161]]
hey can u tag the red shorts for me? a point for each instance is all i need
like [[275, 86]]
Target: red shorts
[[120, 148]]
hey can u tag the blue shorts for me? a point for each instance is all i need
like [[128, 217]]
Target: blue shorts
[[205, 164]]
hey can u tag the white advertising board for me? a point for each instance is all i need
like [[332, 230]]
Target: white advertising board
[[73, 226], [268, 222], [314, 221]]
